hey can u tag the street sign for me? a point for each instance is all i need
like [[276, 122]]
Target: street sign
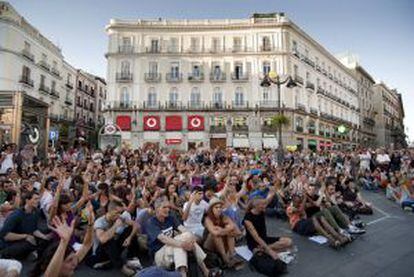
[[54, 135]]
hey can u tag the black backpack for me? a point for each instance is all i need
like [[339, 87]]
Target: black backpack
[[266, 265]]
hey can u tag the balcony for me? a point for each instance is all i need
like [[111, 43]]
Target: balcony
[[240, 128], [196, 78], [313, 111], [173, 105], [239, 77], [321, 90], [308, 61], [194, 49], [269, 128], [153, 105], [124, 77], [26, 80], [269, 104], [195, 105], [152, 77], [153, 49], [265, 48], [173, 49], [55, 72], [299, 129], [68, 101], [301, 107], [126, 49], [310, 85], [217, 105], [217, 77], [298, 79], [54, 93], [216, 49], [44, 89], [296, 53], [174, 77], [218, 129], [44, 65], [69, 85], [237, 49], [240, 104], [28, 55]]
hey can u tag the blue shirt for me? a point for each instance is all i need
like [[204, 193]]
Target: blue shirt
[[154, 228]]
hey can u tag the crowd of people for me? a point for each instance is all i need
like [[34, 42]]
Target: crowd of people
[[152, 211]]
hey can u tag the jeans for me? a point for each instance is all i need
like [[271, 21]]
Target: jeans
[[408, 203]]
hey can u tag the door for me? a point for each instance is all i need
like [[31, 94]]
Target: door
[[218, 143]]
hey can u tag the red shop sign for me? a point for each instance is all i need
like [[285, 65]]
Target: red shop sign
[[195, 123], [173, 141], [151, 123], [124, 122], [173, 123]]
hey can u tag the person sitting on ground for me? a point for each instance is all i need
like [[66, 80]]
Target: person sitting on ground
[[170, 249], [193, 212], [311, 226], [256, 236], [221, 233], [393, 191], [407, 196]]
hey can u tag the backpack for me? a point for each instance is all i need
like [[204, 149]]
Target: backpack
[[265, 265]]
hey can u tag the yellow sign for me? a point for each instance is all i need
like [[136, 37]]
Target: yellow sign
[[272, 74]]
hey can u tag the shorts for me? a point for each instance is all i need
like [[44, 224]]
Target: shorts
[[269, 240], [305, 227]]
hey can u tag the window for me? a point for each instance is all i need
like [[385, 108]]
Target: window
[[265, 95], [237, 44], [217, 96], [154, 46], [124, 103], [294, 46], [53, 87], [217, 72], [295, 70], [125, 68], [266, 43], [173, 45], [69, 79], [25, 73], [266, 68], [195, 97], [175, 70], [152, 97], [215, 44], [54, 65], [27, 47], [42, 80], [308, 77], [195, 44], [80, 84], [126, 41], [239, 97], [173, 97], [44, 57], [238, 70], [299, 124], [196, 70], [153, 67]]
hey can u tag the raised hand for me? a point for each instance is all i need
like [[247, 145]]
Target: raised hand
[[62, 228]]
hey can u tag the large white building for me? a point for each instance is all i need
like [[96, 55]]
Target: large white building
[[185, 82]]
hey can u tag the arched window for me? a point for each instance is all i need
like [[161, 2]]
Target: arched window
[[239, 97], [311, 126], [195, 97], [217, 97], [299, 124], [173, 98], [125, 99], [152, 97], [266, 67]]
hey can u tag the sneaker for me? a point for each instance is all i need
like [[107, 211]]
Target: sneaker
[[354, 230], [134, 264], [358, 223], [345, 234], [286, 257]]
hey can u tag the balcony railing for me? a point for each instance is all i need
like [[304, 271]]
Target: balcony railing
[[240, 128], [321, 90], [173, 49], [28, 55], [69, 85], [298, 79], [173, 105], [265, 48], [54, 93], [44, 65], [55, 72], [68, 101], [310, 85], [124, 77], [195, 104], [44, 89], [152, 77], [218, 77], [218, 129], [239, 77], [174, 77], [152, 105], [314, 111], [126, 49], [296, 53], [26, 80], [240, 104], [217, 105], [301, 107], [268, 104], [153, 49], [196, 78], [299, 129]]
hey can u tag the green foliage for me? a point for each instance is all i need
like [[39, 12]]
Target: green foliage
[[280, 120]]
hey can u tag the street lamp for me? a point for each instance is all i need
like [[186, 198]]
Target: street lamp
[[273, 78]]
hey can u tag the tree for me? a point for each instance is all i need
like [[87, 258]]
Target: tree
[[280, 120]]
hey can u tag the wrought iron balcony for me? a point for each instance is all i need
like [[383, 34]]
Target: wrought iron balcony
[[301, 107], [195, 104], [68, 101], [153, 49], [314, 111], [174, 77], [239, 77], [299, 129], [44, 65], [217, 105], [152, 105], [26, 80], [28, 55], [124, 77], [298, 79], [173, 105], [240, 104], [44, 89], [54, 93], [268, 104], [265, 48], [55, 72], [152, 77], [126, 49], [218, 77], [69, 85], [310, 85], [296, 53], [196, 78]]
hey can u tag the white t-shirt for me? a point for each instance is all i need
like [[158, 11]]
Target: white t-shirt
[[196, 213], [383, 158], [45, 202], [7, 163]]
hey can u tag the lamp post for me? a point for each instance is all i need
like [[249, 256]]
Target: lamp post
[[273, 78]]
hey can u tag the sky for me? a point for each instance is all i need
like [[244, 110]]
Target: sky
[[380, 32]]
